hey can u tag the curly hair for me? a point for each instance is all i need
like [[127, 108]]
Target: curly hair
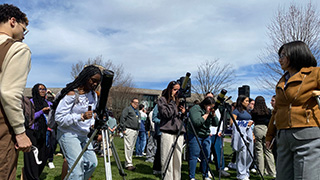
[[8, 11]]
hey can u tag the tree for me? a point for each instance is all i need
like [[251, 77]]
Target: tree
[[297, 23], [122, 87], [213, 77]]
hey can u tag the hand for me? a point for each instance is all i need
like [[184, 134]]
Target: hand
[[268, 145], [208, 109], [250, 123], [46, 110], [124, 132], [182, 109], [87, 115], [219, 134], [99, 138], [23, 142]]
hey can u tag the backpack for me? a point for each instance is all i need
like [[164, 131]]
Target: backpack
[[51, 119], [28, 112]]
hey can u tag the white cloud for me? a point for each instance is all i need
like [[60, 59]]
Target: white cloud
[[156, 41]]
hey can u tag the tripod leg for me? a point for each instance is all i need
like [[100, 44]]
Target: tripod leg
[[107, 164], [118, 162]]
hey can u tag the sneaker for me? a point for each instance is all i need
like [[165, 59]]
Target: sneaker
[[224, 173], [253, 170], [209, 174], [149, 160], [232, 165], [206, 178], [143, 154], [226, 169], [155, 172], [131, 168], [51, 165]]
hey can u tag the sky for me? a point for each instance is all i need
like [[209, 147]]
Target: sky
[[156, 41]]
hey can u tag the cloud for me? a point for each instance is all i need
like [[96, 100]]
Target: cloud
[[156, 41]]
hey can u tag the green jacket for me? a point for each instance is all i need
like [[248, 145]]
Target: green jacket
[[201, 126]]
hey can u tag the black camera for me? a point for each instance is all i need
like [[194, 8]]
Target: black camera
[[185, 86]]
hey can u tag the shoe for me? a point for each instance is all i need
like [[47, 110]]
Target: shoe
[[224, 173], [131, 168], [253, 170], [192, 179], [138, 155], [206, 178], [51, 165], [209, 174], [155, 172], [143, 154], [59, 154], [232, 165], [226, 169], [149, 160]]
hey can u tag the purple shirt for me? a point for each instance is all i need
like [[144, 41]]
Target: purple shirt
[[38, 114]]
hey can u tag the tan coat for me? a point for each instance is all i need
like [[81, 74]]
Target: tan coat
[[295, 106]]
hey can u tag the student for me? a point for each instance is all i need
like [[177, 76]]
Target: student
[[74, 116], [15, 65]]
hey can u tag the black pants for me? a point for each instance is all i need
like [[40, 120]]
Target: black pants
[[32, 170], [157, 157]]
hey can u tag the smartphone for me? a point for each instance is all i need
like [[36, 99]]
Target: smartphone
[[89, 108]]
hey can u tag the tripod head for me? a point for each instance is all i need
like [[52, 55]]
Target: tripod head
[[106, 83]]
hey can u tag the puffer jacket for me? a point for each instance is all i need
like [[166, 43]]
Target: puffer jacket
[[295, 106]]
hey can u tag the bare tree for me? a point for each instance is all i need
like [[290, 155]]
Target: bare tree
[[213, 77], [122, 87], [297, 23]]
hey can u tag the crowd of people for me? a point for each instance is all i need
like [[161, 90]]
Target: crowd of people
[[283, 142]]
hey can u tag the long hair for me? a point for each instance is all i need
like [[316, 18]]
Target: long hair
[[239, 105], [38, 101], [207, 101], [167, 93], [81, 80], [260, 107], [299, 55]]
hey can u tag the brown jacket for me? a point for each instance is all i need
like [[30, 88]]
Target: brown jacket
[[295, 106]]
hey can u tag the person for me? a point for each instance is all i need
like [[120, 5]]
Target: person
[[243, 120], [152, 142], [74, 116], [261, 116], [274, 147], [142, 136], [37, 133], [202, 117], [251, 105], [295, 118], [157, 157], [130, 124], [170, 123], [15, 65]]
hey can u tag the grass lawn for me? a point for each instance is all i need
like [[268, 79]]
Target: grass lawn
[[143, 171]]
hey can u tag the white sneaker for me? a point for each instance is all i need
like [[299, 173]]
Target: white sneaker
[[253, 170], [226, 169], [51, 165]]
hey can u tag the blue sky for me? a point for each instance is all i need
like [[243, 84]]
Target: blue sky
[[155, 41]]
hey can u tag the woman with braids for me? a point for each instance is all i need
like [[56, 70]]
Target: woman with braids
[[74, 116], [37, 133], [170, 122]]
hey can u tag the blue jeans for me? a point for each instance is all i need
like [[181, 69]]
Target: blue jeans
[[218, 153], [195, 152], [141, 142], [71, 145]]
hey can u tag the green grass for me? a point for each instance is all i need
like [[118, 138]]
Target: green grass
[[143, 171]]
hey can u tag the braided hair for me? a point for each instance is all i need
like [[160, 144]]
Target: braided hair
[[80, 80], [39, 103]]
